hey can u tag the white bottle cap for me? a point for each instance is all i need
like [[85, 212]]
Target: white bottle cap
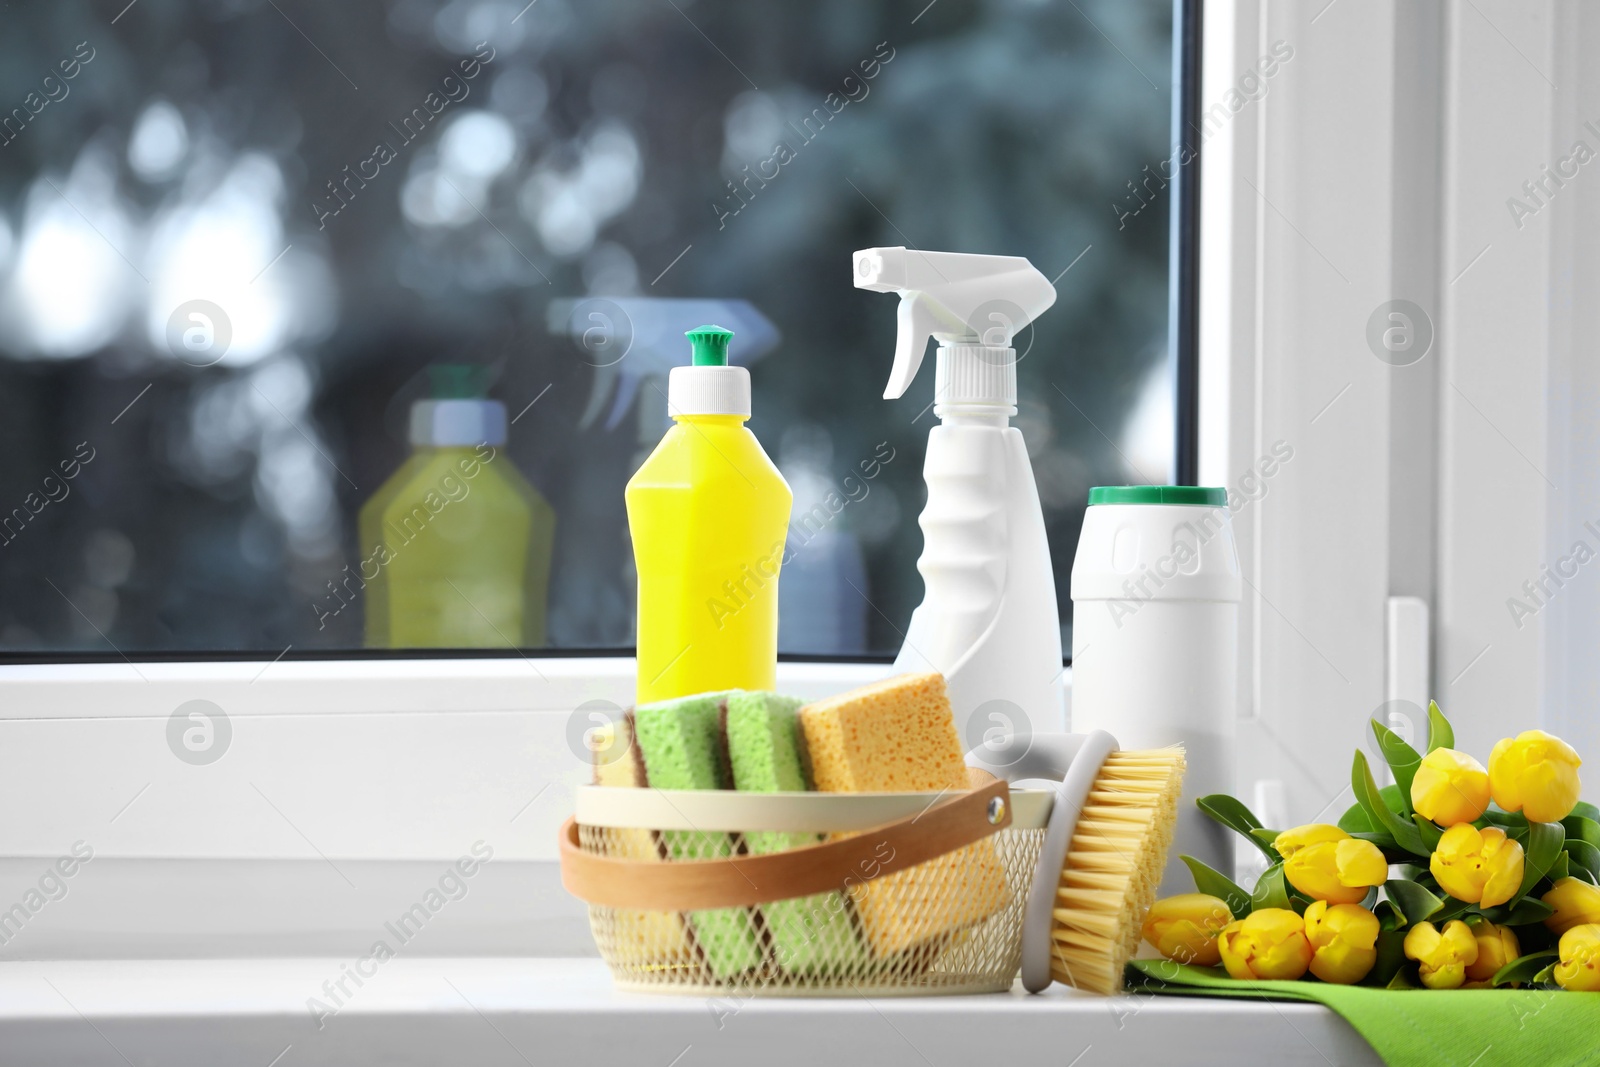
[[708, 391], [975, 377], [458, 423]]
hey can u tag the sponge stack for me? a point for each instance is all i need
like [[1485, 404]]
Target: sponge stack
[[810, 935], [893, 736], [680, 744]]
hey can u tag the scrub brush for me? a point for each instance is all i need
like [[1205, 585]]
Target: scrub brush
[[1110, 827]]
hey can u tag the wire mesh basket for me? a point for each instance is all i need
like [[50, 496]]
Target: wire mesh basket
[[795, 894]]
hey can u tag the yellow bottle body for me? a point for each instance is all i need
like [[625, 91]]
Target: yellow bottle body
[[708, 513], [458, 547]]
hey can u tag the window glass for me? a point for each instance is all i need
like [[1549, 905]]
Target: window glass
[[241, 241]]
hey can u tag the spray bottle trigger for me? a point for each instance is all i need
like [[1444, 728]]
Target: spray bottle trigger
[[916, 322]]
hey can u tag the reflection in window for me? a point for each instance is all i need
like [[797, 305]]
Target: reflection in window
[[237, 253]]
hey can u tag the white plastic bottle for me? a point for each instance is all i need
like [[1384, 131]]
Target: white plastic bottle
[[1155, 642], [988, 621]]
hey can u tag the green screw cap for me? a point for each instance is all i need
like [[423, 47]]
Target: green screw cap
[[458, 381], [1200, 496], [710, 345]]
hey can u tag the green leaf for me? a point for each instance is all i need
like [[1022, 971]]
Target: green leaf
[[1547, 975], [1238, 818], [1504, 819], [1391, 799], [1354, 820], [1528, 910], [1402, 980], [1271, 890], [1402, 759], [1430, 833], [1391, 958], [1387, 844], [1582, 828], [1588, 811], [1208, 880], [1412, 900], [1389, 916], [1440, 735], [1405, 833], [1229, 811], [1559, 869], [1453, 909], [1586, 858], [1523, 968], [1541, 848], [1266, 837]]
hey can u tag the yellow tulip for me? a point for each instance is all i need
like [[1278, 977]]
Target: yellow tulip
[[1579, 968], [1450, 787], [1316, 833], [1536, 774], [1481, 867], [1444, 956], [1576, 902], [1185, 927], [1497, 946], [1326, 863], [1267, 943], [1343, 940]]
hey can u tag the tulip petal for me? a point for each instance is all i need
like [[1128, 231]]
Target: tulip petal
[[1576, 903], [1535, 773], [1422, 941], [1579, 968], [1291, 841], [1360, 863]]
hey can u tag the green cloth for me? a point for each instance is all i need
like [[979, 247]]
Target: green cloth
[[1455, 1027]]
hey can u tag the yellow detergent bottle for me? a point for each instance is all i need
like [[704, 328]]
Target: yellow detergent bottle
[[708, 513], [456, 545]]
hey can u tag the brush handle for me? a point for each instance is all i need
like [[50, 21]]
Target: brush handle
[[1068, 764], [1044, 756], [744, 881]]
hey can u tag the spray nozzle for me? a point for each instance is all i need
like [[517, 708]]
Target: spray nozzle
[[633, 342], [961, 299]]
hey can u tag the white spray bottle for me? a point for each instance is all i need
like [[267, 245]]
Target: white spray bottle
[[988, 619]]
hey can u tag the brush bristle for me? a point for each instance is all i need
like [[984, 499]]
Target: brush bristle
[[1113, 868]]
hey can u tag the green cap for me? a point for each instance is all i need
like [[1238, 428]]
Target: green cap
[[1198, 496], [710, 345], [458, 381]]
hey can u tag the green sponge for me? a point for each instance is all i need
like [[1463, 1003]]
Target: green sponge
[[809, 933], [680, 744]]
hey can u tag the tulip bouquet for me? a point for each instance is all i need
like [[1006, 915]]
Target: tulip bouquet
[[1456, 876]]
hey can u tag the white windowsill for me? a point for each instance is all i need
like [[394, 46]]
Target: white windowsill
[[548, 1011], [361, 760], [347, 788], [222, 897]]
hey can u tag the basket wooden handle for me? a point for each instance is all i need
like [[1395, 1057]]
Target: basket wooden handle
[[742, 881]]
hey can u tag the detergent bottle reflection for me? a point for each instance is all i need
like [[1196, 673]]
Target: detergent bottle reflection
[[458, 538]]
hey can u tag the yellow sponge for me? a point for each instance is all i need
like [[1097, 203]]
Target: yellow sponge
[[899, 735]]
